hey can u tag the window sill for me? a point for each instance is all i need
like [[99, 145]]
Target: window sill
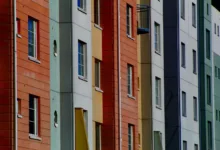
[[34, 137], [19, 116], [82, 10], [158, 107], [98, 26], [184, 67], [196, 120], [157, 52], [132, 97], [129, 36], [194, 26], [195, 73], [98, 89], [82, 78], [19, 36], [33, 59]]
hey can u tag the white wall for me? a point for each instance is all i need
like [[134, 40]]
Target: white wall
[[215, 37]]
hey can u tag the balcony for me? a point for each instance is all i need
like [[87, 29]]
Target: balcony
[[143, 16]]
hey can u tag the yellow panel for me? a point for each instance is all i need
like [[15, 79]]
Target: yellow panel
[[80, 129], [96, 42], [97, 106]]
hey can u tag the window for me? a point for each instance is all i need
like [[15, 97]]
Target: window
[[157, 37], [184, 104], [32, 37], [207, 7], [182, 9], [130, 137], [216, 71], [130, 80], [81, 4], [82, 59], [97, 12], [208, 53], [97, 73], [183, 55], [129, 20], [158, 91], [158, 140], [209, 135], [194, 62], [193, 15], [196, 147], [19, 106], [215, 28], [216, 115], [195, 108], [18, 25], [85, 116], [208, 88], [98, 136], [219, 115], [33, 115], [218, 30], [184, 145]]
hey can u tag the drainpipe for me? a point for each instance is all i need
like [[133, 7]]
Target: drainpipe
[[15, 76], [119, 79]]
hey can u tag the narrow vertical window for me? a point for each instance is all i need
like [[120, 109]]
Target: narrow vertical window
[[130, 80], [33, 115], [216, 71], [196, 147], [208, 51], [85, 117], [195, 108], [157, 37], [218, 30], [208, 89], [209, 135], [19, 106], [193, 15], [129, 20], [194, 62], [182, 9], [183, 55], [98, 136], [158, 140], [184, 104], [97, 74], [97, 12], [219, 115], [215, 28], [207, 9], [216, 115], [32, 38], [82, 60], [130, 137], [81, 4], [184, 145], [158, 91], [18, 22]]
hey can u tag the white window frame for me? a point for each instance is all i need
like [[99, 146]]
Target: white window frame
[[195, 108], [184, 104], [130, 79], [97, 73], [98, 143], [183, 55], [82, 7], [35, 40], [97, 12], [82, 64], [130, 136], [35, 109], [158, 92], [182, 9], [194, 15], [129, 19], [157, 37]]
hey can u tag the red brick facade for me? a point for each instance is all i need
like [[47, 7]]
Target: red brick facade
[[129, 108]]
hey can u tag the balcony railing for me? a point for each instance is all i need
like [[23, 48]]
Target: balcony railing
[[143, 15]]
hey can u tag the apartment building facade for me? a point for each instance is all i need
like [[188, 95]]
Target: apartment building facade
[[181, 75], [151, 75]]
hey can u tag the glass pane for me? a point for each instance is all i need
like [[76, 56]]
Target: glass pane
[[31, 102], [31, 128], [30, 25], [31, 115]]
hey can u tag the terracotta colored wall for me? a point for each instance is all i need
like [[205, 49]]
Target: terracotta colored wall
[[33, 78], [110, 80], [6, 93]]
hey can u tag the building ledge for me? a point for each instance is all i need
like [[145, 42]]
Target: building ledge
[[35, 137]]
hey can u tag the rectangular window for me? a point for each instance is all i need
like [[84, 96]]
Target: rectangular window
[[98, 136], [19, 106], [215, 28], [218, 30], [157, 37], [219, 115], [184, 145], [81, 4], [216, 115], [183, 55], [158, 91], [32, 37], [129, 20], [195, 108], [130, 80], [184, 104], [33, 115], [18, 23], [97, 74], [209, 135], [207, 7], [196, 147], [208, 52], [208, 88], [82, 59], [216, 71], [158, 140], [97, 12], [194, 62], [193, 15], [85, 117], [130, 137], [182, 9]]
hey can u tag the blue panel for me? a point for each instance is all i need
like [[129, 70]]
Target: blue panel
[[78, 3]]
